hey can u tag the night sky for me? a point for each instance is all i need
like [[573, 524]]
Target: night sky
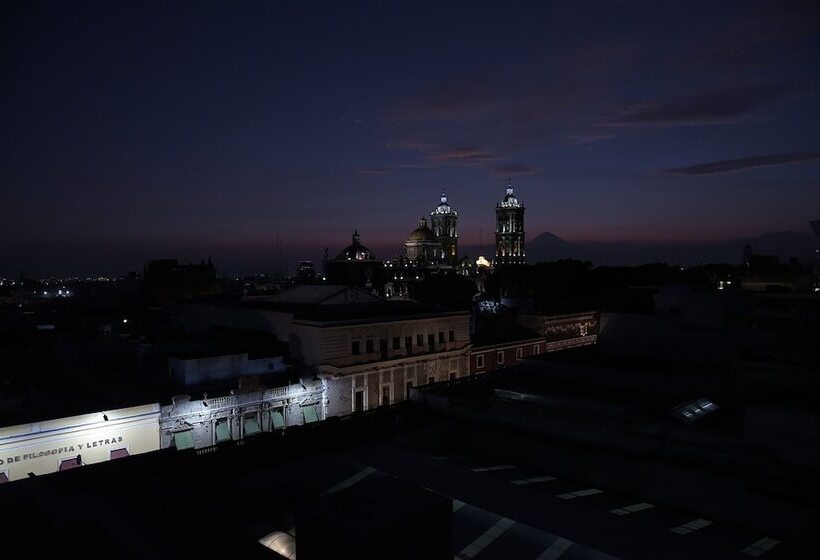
[[147, 130]]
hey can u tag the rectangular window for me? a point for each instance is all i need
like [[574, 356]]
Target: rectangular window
[[222, 430], [519, 353], [452, 336], [431, 341], [358, 402], [536, 349], [277, 418], [431, 380], [310, 413], [396, 343], [184, 439], [386, 395], [369, 346], [250, 424], [441, 337], [355, 347], [479, 361], [419, 340], [408, 342], [452, 376], [499, 358], [408, 387]]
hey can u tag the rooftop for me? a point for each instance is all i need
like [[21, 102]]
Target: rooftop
[[515, 498]]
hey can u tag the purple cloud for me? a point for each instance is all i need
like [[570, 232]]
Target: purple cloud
[[728, 165], [704, 108]]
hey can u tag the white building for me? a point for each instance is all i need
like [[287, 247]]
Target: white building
[[56, 445], [367, 351]]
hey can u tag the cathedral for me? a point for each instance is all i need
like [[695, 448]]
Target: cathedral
[[437, 245], [430, 249], [509, 230], [445, 221]]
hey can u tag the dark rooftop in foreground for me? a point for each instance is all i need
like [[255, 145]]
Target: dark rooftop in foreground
[[220, 502], [594, 357], [500, 330]]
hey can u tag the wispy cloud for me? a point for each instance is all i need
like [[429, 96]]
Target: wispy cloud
[[465, 98], [374, 170], [709, 107], [463, 155], [728, 165], [512, 170], [589, 137], [453, 155]]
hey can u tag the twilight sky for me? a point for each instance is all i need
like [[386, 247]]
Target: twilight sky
[[137, 130]]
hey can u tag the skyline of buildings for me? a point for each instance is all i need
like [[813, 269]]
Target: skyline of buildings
[[630, 130], [410, 280]]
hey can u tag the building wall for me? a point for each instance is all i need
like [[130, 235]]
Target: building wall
[[41, 447], [331, 345], [202, 416], [485, 358], [559, 332], [372, 379], [561, 327]]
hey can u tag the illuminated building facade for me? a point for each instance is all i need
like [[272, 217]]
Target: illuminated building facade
[[365, 351], [437, 244], [427, 250], [509, 230], [422, 245], [50, 446], [444, 222], [197, 423]]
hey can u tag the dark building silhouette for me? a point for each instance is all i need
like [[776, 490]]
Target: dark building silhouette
[[167, 281], [355, 265], [306, 273]]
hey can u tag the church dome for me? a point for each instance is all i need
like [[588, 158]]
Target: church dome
[[355, 251], [421, 233]]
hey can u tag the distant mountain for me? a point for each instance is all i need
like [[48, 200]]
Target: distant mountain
[[549, 247]]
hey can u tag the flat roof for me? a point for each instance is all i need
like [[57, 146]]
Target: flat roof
[[141, 506]]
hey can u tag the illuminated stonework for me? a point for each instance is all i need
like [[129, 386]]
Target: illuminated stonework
[[509, 230], [444, 222], [422, 245]]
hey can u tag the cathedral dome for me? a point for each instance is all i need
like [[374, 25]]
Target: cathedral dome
[[355, 251], [421, 233]]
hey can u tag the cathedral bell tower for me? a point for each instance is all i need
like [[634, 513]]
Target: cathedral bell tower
[[509, 230], [444, 221]]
